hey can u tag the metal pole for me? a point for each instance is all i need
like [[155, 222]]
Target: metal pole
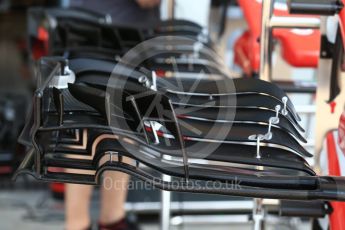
[[167, 9], [165, 207], [165, 212], [258, 214], [258, 210], [171, 9], [266, 41], [294, 22]]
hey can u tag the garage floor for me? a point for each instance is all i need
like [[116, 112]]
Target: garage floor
[[29, 211], [35, 210]]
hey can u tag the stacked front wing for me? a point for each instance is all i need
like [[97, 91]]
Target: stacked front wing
[[226, 136]]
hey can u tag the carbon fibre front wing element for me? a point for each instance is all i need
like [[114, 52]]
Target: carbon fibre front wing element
[[71, 128]]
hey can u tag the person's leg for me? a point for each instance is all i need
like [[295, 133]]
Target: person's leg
[[113, 197], [113, 194], [77, 202]]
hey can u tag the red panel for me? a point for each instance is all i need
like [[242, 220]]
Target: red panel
[[40, 44], [247, 54], [6, 169], [252, 13], [342, 22], [298, 50], [57, 187], [341, 133], [42, 34], [337, 220]]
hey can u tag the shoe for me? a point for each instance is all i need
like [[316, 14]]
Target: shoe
[[124, 224]]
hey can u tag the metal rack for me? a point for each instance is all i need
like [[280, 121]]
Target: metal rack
[[270, 22]]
